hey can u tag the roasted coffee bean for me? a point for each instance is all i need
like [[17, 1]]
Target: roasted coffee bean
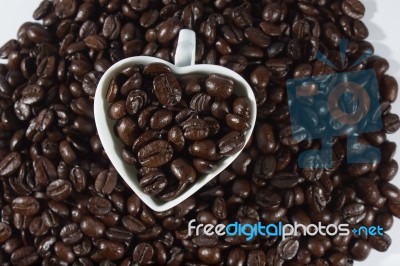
[[5, 232], [143, 253], [265, 137], [96, 42], [287, 249], [71, 234], [38, 34], [156, 69], [99, 206], [25, 205], [209, 255], [177, 139], [182, 170], [391, 123], [161, 119], [204, 149], [231, 143], [219, 87], [90, 82], [10, 164], [117, 110], [126, 129], [153, 183], [109, 250], [354, 213], [24, 256], [203, 166], [360, 250], [78, 178], [353, 8], [195, 129], [236, 122], [136, 100], [168, 30], [92, 227], [201, 102], [59, 190], [257, 37], [32, 94], [106, 182], [133, 225], [37, 227], [167, 89], [155, 154]]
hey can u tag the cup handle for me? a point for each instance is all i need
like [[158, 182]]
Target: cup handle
[[186, 49]]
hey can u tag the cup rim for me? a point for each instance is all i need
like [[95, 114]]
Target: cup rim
[[111, 143]]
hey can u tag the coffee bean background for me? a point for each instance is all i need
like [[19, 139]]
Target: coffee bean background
[[56, 215]]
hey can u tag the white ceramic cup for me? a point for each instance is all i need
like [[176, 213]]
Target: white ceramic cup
[[184, 64]]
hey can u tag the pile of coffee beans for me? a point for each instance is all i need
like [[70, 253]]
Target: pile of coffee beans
[[62, 202], [175, 128]]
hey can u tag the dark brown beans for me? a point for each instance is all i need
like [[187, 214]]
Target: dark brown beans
[[167, 89], [219, 87], [59, 190], [155, 154], [25, 205]]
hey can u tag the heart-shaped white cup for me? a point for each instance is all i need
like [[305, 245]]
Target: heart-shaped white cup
[[184, 64]]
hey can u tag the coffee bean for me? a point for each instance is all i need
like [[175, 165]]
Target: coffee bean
[[92, 227], [287, 249], [5, 232], [354, 213], [156, 69], [136, 100], [182, 170], [195, 129], [143, 253], [153, 183], [78, 178], [360, 250], [106, 182], [257, 37], [37, 227], [71, 234], [391, 123], [219, 87], [25, 205], [167, 89], [99, 206], [96, 42], [38, 34], [10, 164], [353, 8], [265, 137], [203, 166], [24, 256], [59, 190], [90, 82], [177, 139], [204, 149], [133, 225], [155, 154], [160, 119], [168, 30], [125, 128], [236, 122]]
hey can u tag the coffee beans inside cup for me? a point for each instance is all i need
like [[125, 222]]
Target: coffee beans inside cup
[[175, 128]]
